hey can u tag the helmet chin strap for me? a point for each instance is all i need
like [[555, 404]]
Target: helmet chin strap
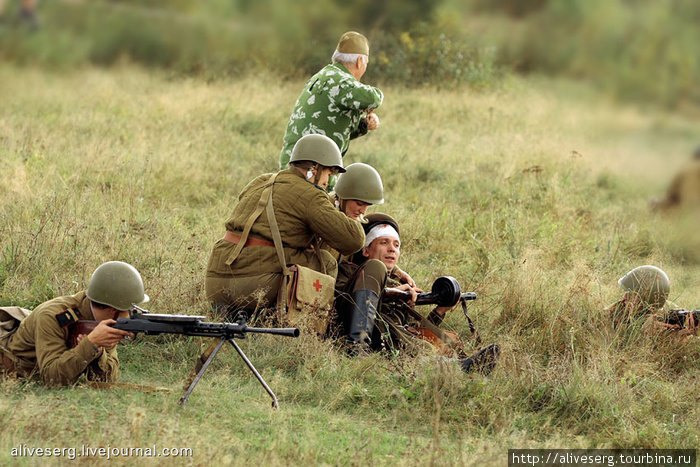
[[317, 177]]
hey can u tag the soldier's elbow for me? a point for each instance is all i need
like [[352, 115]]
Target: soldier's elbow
[[353, 247]]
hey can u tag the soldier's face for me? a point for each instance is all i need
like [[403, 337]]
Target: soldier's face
[[323, 177], [354, 208], [385, 249], [102, 314]]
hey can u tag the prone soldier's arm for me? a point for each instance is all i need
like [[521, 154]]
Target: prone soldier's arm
[[57, 364], [105, 368]]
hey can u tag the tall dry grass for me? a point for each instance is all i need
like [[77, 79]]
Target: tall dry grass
[[533, 195]]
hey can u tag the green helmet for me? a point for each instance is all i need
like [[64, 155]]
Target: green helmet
[[649, 283], [116, 284], [361, 182], [320, 149]]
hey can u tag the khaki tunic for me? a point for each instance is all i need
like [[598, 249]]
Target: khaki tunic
[[40, 343], [303, 213]]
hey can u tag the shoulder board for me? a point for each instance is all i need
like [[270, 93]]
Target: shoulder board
[[67, 317]]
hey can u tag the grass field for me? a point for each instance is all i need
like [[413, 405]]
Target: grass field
[[534, 195]]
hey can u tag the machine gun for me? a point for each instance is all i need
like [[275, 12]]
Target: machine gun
[[444, 292], [682, 318], [142, 321]]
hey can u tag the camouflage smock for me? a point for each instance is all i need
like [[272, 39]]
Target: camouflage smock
[[331, 104]]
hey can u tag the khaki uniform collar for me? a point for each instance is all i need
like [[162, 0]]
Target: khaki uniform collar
[[84, 306], [294, 171]]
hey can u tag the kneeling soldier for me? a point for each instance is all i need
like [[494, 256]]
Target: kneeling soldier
[[245, 268], [41, 343]]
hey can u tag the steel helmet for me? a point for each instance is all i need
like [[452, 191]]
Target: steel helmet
[[361, 182], [116, 284], [320, 149], [649, 283]]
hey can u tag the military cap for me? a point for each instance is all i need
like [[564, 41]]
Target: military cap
[[353, 43], [377, 218]]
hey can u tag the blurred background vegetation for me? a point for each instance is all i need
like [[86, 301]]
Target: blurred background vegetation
[[637, 50]]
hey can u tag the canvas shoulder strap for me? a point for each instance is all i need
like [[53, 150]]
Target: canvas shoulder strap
[[264, 197], [277, 239]]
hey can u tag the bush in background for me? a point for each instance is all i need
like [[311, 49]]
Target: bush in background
[[229, 38], [643, 50]]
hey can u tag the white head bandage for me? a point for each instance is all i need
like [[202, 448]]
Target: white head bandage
[[381, 230]]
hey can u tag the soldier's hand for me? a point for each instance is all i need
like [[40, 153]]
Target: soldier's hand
[[105, 336], [441, 310], [372, 120], [413, 290], [404, 277]]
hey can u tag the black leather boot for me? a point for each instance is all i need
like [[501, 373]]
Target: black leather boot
[[364, 310], [483, 361]]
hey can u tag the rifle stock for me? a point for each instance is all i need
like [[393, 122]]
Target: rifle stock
[[81, 327]]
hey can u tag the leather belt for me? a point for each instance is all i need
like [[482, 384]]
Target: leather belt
[[235, 238]]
